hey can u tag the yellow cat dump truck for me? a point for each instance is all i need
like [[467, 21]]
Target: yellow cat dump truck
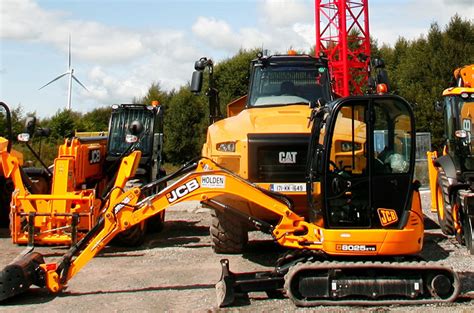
[[452, 173], [265, 136]]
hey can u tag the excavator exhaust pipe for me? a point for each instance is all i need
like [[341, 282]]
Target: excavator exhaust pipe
[[18, 276]]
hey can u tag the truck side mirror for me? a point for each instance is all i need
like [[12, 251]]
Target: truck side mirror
[[43, 131], [30, 125], [438, 106], [196, 82]]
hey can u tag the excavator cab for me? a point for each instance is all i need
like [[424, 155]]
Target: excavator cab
[[366, 162]]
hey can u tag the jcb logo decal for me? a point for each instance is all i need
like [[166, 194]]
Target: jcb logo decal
[[94, 156], [387, 216], [183, 190]]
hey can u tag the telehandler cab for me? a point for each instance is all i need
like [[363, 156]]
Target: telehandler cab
[[358, 245]]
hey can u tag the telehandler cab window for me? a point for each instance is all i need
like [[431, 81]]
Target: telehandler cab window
[[282, 84], [119, 122], [459, 120]]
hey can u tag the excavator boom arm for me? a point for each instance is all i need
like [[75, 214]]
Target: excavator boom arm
[[206, 183]]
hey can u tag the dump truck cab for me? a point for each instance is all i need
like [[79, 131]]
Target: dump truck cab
[[265, 136]]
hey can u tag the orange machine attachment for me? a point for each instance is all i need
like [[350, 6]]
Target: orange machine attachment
[[71, 210]]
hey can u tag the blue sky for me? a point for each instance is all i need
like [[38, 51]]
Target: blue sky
[[120, 47]]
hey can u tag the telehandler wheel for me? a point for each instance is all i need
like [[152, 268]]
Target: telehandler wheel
[[5, 198], [135, 235], [468, 224], [445, 209], [155, 224], [132, 237], [229, 233]]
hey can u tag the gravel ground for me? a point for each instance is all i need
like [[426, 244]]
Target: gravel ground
[[176, 271]]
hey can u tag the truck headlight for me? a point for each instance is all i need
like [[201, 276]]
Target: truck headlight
[[228, 146]]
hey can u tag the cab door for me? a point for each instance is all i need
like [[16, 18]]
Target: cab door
[[368, 166]]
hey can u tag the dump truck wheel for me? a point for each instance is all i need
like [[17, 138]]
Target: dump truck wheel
[[445, 210], [229, 233]]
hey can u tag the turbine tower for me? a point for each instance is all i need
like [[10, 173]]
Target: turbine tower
[[70, 72]]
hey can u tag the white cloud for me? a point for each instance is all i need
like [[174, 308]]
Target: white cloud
[[412, 19], [284, 14]]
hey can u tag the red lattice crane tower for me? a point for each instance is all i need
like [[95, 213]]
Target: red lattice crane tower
[[342, 33]]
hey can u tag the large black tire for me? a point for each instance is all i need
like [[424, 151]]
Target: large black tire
[[229, 233], [135, 235], [132, 237], [155, 224], [445, 209], [468, 231], [6, 189]]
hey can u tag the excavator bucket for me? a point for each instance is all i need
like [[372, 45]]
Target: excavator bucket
[[18, 276]]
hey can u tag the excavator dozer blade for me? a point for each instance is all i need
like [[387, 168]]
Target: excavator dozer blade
[[225, 286], [18, 276], [233, 288]]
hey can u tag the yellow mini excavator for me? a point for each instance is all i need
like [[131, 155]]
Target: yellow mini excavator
[[359, 245]]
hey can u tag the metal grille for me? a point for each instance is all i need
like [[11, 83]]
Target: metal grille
[[277, 157]]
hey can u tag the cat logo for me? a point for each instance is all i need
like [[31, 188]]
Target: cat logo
[[387, 216], [287, 157], [182, 190]]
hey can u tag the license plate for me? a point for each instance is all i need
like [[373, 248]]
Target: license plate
[[288, 187]]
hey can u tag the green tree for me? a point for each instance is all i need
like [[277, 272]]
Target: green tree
[[232, 76], [184, 126], [154, 93], [64, 123], [97, 119]]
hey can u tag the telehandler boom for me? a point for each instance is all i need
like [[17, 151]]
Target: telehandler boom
[[357, 246]]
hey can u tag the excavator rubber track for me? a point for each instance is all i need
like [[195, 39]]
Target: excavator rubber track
[[370, 283]]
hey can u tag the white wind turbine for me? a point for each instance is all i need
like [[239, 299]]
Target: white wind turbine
[[70, 72]]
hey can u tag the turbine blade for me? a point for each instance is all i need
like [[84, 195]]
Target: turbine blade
[[54, 80], [77, 80]]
